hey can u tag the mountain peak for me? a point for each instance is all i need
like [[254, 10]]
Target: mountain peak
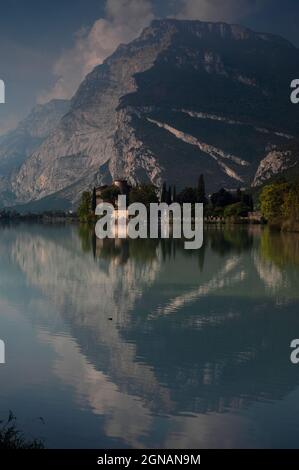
[[185, 98], [203, 29]]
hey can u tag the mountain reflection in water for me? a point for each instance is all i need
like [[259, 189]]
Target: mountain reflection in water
[[142, 343]]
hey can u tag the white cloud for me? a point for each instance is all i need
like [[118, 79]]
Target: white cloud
[[124, 21], [218, 10]]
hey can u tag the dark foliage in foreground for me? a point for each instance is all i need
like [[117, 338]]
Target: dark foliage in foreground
[[12, 438]]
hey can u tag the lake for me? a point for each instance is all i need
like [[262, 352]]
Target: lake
[[142, 344]]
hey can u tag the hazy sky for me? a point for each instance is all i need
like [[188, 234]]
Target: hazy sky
[[47, 47]]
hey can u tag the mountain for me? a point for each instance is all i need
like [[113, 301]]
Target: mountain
[[18, 145], [279, 162], [186, 97]]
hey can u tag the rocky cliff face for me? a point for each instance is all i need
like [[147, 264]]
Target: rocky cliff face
[[282, 161], [18, 145], [184, 98]]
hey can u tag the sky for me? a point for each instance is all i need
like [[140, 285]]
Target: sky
[[48, 47]]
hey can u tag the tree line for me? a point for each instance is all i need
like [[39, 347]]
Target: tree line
[[279, 202], [224, 203]]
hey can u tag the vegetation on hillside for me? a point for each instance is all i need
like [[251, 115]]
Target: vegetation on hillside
[[279, 204]]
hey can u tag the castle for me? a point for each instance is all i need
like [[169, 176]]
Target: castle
[[121, 185]]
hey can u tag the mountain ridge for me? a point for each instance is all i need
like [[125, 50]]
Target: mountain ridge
[[184, 98], [17, 145]]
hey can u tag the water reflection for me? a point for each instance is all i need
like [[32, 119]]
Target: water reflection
[[280, 248], [154, 338]]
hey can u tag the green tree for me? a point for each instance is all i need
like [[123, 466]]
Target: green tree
[[110, 194], [222, 198], [238, 209], [174, 197], [272, 201], [145, 194], [169, 196], [84, 209], [187, 196], [239, 195], [201, 190], [247, 200], [164, 192], [94, 200], [291, 209]]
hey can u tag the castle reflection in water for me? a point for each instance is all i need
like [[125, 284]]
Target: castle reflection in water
[[167, 347]]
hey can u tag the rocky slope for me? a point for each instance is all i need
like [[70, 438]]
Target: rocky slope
[[18, 145], [184, 98], [282, 161]]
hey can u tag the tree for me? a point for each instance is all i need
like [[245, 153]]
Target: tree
[[201, 190], [110, 194], [94, 200], [291, 204], [272, 200], [222, 199], [187, 196], [236, 210], [11, 438], [291, 209], [164, 192], [247, 200], [239, 195], [145, 194], [174, 197], [169, 196], [84, 209]]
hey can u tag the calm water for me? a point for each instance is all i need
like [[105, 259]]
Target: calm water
[[196, 354]]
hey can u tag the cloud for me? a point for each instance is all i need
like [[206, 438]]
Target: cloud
[[124, 21], [23, 69], [218, 10]]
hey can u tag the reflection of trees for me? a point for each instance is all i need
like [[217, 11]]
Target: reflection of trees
[[222, 346], [230, 239], [141, 250], [280, 248], [86, 236]]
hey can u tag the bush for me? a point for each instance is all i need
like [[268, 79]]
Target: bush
[[145, 194], [280, 205], [236, 210], [272, 200], [188, 196], [11, 438], [110, 194]]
